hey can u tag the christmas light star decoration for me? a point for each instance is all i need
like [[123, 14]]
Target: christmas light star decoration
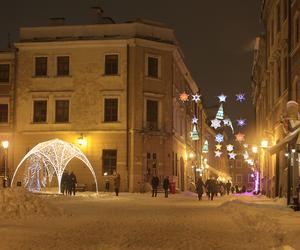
[[215, 123], [195, 120], [222, 98], [240, 137], [240, 97], [196, 98], [184, 97], [226, 122], [241, 122], [218, 153], [232, 156], [246, 155], [219, 138], [218, 147], [52, 157], [220, 113], [229, 147]]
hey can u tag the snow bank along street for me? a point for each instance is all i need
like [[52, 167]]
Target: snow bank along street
[[138, 221]]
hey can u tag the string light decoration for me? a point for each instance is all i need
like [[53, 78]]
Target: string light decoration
[[220, 113], [195, 120], [232, 156], [196, 98], [205, 147], [194, 134], [222, 98], [219, 138], [227, 122], [229, 147], [52, 157], [240, 97], [241, 122], [215, 123], [218, 154], [218, 147], [184, 97], [240, 137], [246, 155]]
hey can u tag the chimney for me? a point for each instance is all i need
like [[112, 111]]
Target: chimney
[[57, 21]]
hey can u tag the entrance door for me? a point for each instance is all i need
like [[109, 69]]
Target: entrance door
[[182, 174]]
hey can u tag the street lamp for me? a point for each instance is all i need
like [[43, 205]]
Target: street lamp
[[5, 145], [254, 150], [264, 143]]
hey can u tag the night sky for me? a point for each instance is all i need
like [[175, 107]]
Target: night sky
[[216, 36]]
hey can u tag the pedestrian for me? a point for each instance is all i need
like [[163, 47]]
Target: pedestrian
[[154, 184], [73, 183], [232, 189], [166, 185], [117, 182], [211, 187], [199, 188], [228, 186], [64, 182], [222, 189], [237, 189]]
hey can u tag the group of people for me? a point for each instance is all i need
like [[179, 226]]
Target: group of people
[[212, 188], [68, 183], [155, 184]]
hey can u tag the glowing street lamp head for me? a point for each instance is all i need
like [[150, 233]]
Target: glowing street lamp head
[[191, 155], [81, 141], [254, 149], [264, 143], [5, 144]]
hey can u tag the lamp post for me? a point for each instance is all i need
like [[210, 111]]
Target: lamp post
[[5, 145]]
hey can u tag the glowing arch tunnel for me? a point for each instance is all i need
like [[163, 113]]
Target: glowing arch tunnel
[[49, 158]]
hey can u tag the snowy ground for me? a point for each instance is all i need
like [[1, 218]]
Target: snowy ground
[[138, 221]]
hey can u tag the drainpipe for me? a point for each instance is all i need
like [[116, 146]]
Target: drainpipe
[[289, 2], [127, 119]]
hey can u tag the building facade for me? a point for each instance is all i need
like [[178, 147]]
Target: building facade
[[275, 82], [110, 89]]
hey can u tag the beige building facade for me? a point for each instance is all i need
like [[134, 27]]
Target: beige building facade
[[110, 89]]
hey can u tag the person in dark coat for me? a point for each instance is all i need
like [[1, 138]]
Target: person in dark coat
[[64, 182], [232, 189], [166, 184], [117, 182], [199, 188], [154, 184], [228, 186], [73, 182], [237, 189], [211, 187]]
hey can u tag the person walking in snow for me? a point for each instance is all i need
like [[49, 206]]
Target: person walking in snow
[[64, 182], [73, 183], [211, 187], [117, 182], [199, 188], [166, 184], [228, 186], [154, 184]]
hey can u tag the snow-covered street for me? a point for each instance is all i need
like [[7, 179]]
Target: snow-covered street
[[138, 221]]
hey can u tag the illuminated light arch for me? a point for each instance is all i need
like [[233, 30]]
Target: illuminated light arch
[[56, 155]]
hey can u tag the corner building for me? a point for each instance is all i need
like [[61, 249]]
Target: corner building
[[115, 86]]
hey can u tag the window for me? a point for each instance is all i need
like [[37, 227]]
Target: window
[[111, 65], [63, 65], [41, 66], [153, 67], [238, 178], [39, 111], [109, 161], [4, 73], [111, 110], [238, 163], [61, 111], [3, 113], [152, 115]]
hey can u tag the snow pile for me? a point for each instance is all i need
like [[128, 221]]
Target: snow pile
[[17, 203]]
